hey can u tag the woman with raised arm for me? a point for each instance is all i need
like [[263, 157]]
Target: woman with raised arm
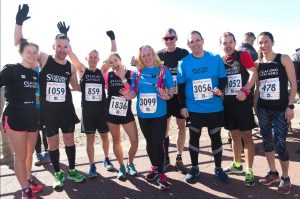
[[20, 116], [93, 102], [119, 113]]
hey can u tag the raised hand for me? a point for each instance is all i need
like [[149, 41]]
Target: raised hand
[[111, 34], [63, 28], [22, 14]]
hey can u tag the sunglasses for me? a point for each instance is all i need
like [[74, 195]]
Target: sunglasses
[[169, 38]]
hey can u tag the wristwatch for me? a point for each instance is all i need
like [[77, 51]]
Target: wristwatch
[[291, 106]]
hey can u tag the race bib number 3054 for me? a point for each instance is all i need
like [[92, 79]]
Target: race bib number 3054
[[93, 92], [202, 89], [56, 92], [118, 106], [148, 102], [269, 89]]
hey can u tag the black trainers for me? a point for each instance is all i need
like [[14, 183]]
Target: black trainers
[[180, 167], [163, 183], [152, 174], [190, 176]]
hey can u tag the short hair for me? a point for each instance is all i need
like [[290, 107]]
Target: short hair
[[62, 36], [171, 30], [227, 34], [114, 54], [24, 43], [194, 32], [250, 34]]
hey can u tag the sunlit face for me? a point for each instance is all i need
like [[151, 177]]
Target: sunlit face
[[265, 44], [30, 55], [93, 59], [147, 56], [170, 40], [61, 48], [114, 62], [195, 43], [228, 45]]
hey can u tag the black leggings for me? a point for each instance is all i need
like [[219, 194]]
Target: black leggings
[[216, 144], [38, 146], [154, 130]]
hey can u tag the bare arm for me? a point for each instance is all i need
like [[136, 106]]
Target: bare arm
[[18, 35], [80, 67], [290, 71], [112, 37], [73, 79], [256, 91]]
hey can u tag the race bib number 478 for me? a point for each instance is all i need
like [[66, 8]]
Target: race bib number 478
[[56, 92], [269, 89], [202, 89]]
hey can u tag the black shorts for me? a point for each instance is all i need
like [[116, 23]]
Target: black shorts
[[173, 108], [210, 120], [93, 119], [63, 118], [20, 119], [115, 119], [241, 119]]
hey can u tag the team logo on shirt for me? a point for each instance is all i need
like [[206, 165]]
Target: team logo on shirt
[[23, 76], [34, 78]]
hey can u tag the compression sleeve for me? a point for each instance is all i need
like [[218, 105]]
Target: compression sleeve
[[181, 95], [222, 83]]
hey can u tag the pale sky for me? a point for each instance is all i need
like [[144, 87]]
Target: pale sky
[[139, 22]]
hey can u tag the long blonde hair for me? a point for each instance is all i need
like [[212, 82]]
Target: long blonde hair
[[141, 65]]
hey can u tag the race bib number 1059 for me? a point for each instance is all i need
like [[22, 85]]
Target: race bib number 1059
[[55, 92]]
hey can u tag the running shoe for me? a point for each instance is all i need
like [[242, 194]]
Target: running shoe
[[232, 168], [270, 178], [40, 159], [249, 180], [28, 194], [192, 174], [34, 186], [75, 176], [108, 165], [162, 182], [284, 186], [167, 164], [46, 157], [180, 166], [221, 175], [59, 180], [152, 174], [131, 169], [122, 173], [92, 172]]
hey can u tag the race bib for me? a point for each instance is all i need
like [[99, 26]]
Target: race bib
[[118, 106], [202, 89], [55, 92], [93, 92], [234, 84], [175, 83], [269, 89], [148, 102]]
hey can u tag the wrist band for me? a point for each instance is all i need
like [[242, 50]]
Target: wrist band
[[246, 91], [124, 81]]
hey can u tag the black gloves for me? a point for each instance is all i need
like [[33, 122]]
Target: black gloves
[[22, 14], [111, 34], [62, 27]]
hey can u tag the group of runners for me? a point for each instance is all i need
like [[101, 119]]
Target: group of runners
[[201, 89]]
